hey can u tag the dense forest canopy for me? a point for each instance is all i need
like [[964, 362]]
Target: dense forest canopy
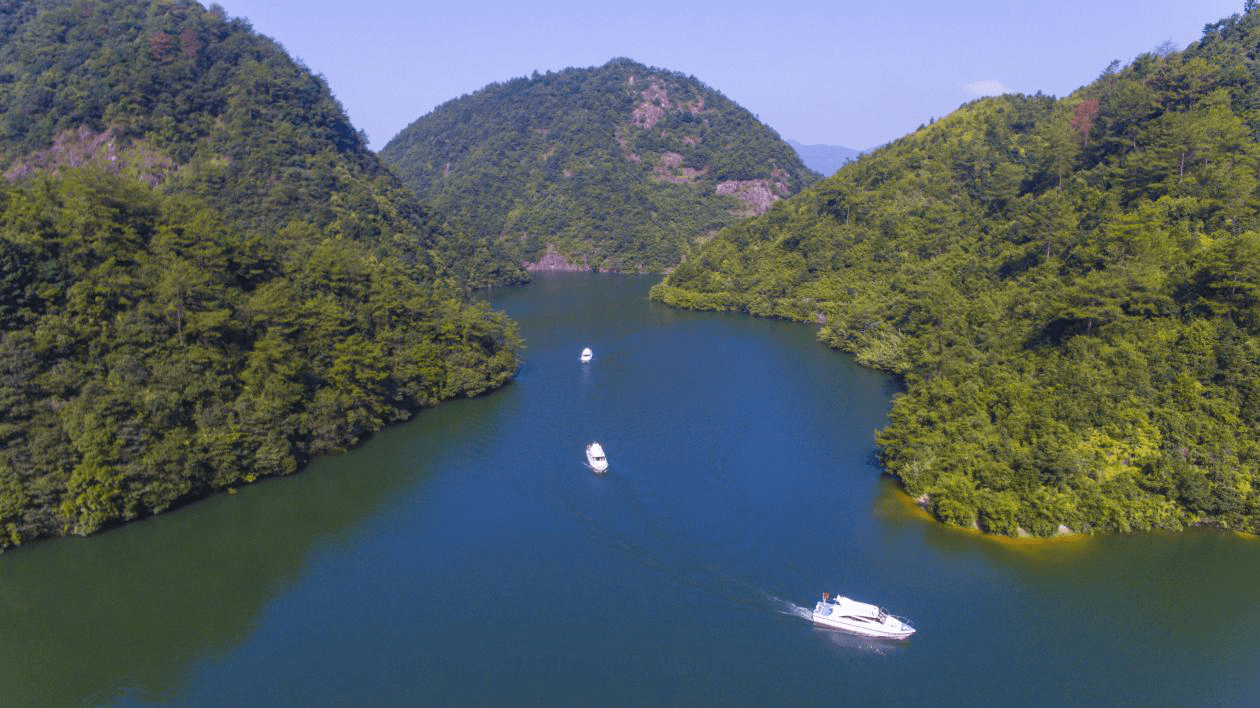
[[185, 98], [621, 167], [205, 276], [1070, 288]]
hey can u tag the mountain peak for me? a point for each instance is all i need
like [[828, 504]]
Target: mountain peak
[[619, 167]]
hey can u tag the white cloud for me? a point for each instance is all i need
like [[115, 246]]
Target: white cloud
[[990, 87]]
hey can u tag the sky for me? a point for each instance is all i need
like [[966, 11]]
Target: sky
[[855, 73]]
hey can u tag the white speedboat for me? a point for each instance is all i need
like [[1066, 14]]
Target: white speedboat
[[587, 355], [860, 618], [595, 458]]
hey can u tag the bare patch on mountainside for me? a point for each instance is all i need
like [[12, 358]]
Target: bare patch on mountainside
[[86, 147], [552, 261], [654, 102], [758, 195], [670, 169], [625, 146]]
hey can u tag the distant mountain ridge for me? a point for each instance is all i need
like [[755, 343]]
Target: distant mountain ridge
[[622, 167], [824, 159]]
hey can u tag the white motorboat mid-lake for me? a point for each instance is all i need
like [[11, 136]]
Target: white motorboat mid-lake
[[595, 457], [860, 618], [587, 355]]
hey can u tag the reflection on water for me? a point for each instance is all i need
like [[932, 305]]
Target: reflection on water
[[897, 508], [845, 641], [85, 617]]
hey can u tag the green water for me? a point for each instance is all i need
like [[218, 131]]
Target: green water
[[469, 558]]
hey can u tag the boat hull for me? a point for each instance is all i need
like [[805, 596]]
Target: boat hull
[[857, 629]]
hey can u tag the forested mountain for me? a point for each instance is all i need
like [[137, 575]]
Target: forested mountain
[[620, 167], [824, 159], [1070, 288], [205, 276]]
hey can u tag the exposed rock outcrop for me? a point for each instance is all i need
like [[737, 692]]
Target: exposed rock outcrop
[[83, 147], [556, 263]]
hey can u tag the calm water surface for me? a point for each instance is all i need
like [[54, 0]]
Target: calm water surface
[[469, 558]]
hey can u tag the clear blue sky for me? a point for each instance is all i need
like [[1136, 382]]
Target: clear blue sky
[[843, 72]]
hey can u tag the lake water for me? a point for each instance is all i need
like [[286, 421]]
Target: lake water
[[469, 558]]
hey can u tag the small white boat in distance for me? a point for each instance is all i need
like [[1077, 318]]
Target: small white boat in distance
[[595, 458], [859, 618], [587, 355]]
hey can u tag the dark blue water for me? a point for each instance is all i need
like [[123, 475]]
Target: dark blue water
[[470, 558]]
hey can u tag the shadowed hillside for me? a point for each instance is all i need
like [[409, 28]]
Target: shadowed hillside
[[205, 276]]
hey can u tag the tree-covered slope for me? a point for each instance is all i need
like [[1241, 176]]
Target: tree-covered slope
[[205, 276], [620, 167], [194, 102], [1071, 289]]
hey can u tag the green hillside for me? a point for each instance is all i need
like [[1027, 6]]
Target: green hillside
[[621, 167], [205, 276], [1070, 288]]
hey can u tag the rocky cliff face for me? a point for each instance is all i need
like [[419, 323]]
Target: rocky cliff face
[[653, 104], [85, 147]]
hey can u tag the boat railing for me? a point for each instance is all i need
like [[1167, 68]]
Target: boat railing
[[903, 621]]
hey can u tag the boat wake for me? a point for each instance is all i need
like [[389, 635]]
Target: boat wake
[[790, 608], [619, 515]]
